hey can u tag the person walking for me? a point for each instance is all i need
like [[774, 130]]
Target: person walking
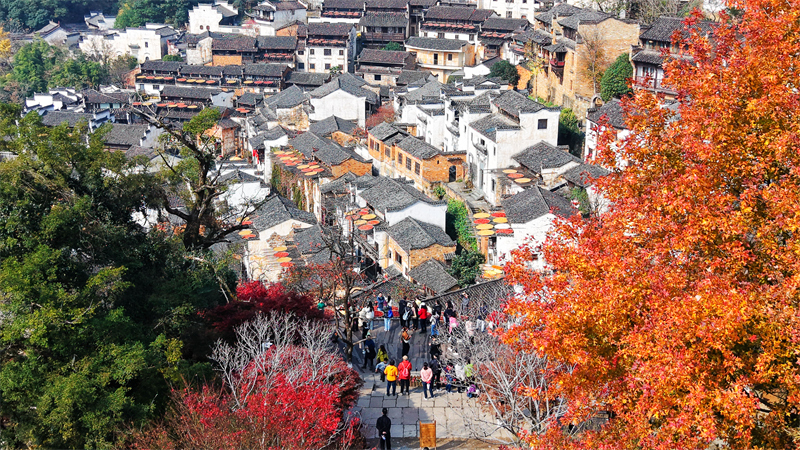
[[401, 311], [426, 374], [414, 316], [448, 314], [387, 315], [384, 427], [404, 372], [380, 300], [370, 315], [435, 349], [449, 376], [369, 352], [405, 338], [437, 373], [391, 379], [423, 318]]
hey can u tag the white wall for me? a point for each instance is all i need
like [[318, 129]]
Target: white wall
[[341, 104], [534, 232], [204, 17], [424, 212]]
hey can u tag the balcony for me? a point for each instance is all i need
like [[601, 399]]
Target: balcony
[[384, 37], [481, 148], [453, 129]]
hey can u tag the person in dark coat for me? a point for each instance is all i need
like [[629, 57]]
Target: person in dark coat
[[401, 311], [369, 352], [384, 427]]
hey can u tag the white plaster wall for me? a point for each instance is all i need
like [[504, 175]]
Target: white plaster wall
[[341, 104], [424, 212], [534, 232], [204, 17]]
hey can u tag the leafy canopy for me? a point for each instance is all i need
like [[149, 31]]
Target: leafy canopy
[[677, 308], [466, 267], [506, 71], [615, 79]]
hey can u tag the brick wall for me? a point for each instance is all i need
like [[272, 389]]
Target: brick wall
[[433, 252], [432, 171], [351, 165]]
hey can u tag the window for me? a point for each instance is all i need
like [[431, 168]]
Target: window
[[493, 184], [399, 158], [141, 87], [301, 66], [311, 66], [388, 152], [327, 66], [508, 14], [156, 87], [341, 52], [471, 37], [483, 142], [146, 44], [301, 52], [377, 77], [416, 168], [398, 258], [326, 52], [449, 56], [408, 164], [542, 124], [440, 35], [311, 51]]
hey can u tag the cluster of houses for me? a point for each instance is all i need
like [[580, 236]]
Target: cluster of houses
[[297, 83]]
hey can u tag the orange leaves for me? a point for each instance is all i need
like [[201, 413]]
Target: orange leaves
[[679, 306]]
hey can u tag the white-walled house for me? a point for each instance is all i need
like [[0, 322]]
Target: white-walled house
[[515, 123], [611, 114], [328, 45], [345, 98], [212, 17], [530, 215], [394, 200], [143, 43], [269, 16]]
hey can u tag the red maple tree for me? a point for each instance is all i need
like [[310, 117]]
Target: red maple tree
[[677, 310], [384, 114]]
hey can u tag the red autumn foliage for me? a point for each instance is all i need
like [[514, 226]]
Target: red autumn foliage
[[384, 114], [256, 298], [288, 407], [678, 307]]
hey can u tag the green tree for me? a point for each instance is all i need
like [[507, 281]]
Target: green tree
[[615, 79], [506, 71], [393, 46], [93, 306], [78, 73], [569, 132], [176, 58], [459, 226], [134, 13], [466, 267], [32, 64]]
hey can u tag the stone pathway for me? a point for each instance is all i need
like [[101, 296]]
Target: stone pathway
[[456, 416]]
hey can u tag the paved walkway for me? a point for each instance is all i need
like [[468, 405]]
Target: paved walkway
[[456, 416]]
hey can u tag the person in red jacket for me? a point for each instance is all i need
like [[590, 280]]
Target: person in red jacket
[[424, 316], [404, 374]]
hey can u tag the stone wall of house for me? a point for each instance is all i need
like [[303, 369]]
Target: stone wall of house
[[227, 60], [351, 165], [436, 251], [293, 118]]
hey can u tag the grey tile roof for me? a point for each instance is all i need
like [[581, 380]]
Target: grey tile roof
[[412, 234], [489, 291], [648, 57], [408, 76], [308, 79], [545, 156], [123, 134], [343, 4], [287, 98], [288, 5], [430, 92], [663, 28], [418, 148], [196, 69], [612, 109], [239, 43], [250, 99], [386, 4], [329, 29], [288, 43], [278, 210], [585, 16], [265, 70], [327, 151], [136, 150], [389, 194], [56, 118], [372, 56], [161, 66], [504, 24], [427, 43], [535, 202], [348, 83], [479, 104], [189, 92], [93, 96], [540, 37], [458, 13], [385, 130], [489, 125], [583, 174], [237, 176], [514, 103], [339, 185], [383, 19], [310, 240], [331, 124], [433, 275], [559, 10], [485, 80]]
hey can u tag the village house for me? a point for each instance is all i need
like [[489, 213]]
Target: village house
[[333, 125], [647, 59], [338, 160], [496, 35], [513, 9], [379, 28], [72, 118], [432, 275], [515, 123], [328, 45], [123, 137], [56, 99], [441, 57], [269, 16], [411, 242], [459, 114], [308, 81], [54, 34], [277, 49], [344, 96], [143, 43], [461, 23], [196, 96], [96, 20], [394, 200], [610, 113], [218, 16], [234, 50], [582, 41], [424, 106], [382, 67], [416, 12], [343, 11], [291, 107], [95, 100]]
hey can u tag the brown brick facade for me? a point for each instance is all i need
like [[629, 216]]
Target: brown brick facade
[[416, 258], [351, 165], [226, 60]]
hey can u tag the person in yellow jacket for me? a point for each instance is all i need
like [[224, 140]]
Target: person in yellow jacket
[[391, 379]]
